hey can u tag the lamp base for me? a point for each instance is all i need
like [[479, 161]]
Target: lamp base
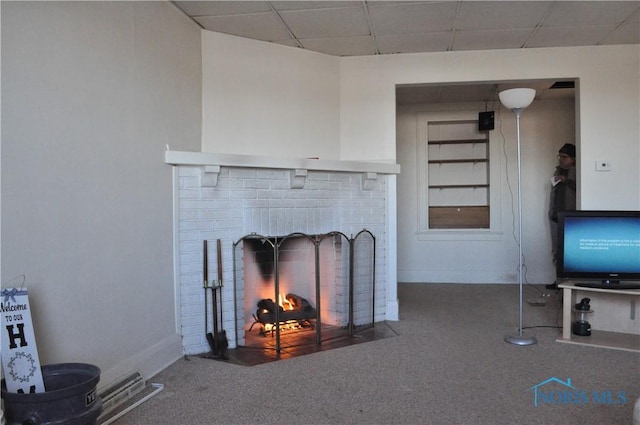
[[521, 340]]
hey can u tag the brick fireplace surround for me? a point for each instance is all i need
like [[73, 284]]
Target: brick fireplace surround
[[227, 197]]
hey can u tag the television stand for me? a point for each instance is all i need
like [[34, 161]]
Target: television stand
[[614, 285], [604, 339]]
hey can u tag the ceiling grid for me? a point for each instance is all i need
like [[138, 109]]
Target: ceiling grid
[[356, 28]]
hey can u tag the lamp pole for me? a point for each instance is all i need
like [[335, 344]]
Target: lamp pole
[[520, 339]]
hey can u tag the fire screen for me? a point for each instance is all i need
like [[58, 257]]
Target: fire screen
[[297, 284]]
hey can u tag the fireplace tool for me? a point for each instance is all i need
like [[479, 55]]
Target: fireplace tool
[[218, 339], [205, 275], [220, 336]]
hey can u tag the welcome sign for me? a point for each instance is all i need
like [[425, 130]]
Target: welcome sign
[[20, 359]]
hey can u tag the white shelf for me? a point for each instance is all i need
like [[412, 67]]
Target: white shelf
[[604, 339]]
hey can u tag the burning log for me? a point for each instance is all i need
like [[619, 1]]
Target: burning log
[[269, 305], [299, 303], [300, 311]]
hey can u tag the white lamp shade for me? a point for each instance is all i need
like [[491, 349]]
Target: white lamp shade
[[517, 98]]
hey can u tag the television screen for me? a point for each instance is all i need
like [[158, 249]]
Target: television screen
[[601, 245]]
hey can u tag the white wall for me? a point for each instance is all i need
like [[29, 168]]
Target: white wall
[[91, 94], [266, 99], [607, 128], [609, 105], [483, 256]]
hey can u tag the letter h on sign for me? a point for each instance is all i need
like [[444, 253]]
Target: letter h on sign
[[16, 335]]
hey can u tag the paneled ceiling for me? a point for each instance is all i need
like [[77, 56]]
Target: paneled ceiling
[[356, 28]]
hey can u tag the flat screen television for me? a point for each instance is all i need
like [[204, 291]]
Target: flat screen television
[[600, 246]]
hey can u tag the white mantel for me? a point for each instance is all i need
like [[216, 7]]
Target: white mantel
[[254, 161]]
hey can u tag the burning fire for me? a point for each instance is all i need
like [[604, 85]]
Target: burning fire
[[285, 303]]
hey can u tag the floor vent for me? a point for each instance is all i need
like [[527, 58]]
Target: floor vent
[[121, 392]]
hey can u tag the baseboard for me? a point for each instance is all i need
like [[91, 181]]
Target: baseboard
[[448, 276], [149, 361]]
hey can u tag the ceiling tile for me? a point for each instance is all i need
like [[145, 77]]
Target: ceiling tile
[[259, 26], [461, 93], [408, 18], [327, 23], [424, 94], [417, 94], [579, 14], [476, 40], [350, 46], [557, 37], [556, 94], [625, 34], [216, 8], [480, 92], [486, 15], [412, 43], [308, 5]]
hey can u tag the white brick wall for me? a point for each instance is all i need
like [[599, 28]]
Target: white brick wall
[[259, 200]]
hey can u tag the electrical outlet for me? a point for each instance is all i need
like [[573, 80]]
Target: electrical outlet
[[603, 165]]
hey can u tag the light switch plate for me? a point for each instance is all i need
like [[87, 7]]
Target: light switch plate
[[603, 165]]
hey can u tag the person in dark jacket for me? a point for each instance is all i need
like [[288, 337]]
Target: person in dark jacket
[[563, 195]]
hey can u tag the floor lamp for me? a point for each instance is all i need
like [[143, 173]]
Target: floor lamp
[[517, 100]]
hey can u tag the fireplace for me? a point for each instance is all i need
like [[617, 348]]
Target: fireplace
[[237, 199], [305, 282]]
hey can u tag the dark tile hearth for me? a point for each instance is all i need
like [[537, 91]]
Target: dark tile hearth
[[261, 349]]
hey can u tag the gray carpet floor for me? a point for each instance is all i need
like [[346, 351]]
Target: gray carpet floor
[[448, 364]]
